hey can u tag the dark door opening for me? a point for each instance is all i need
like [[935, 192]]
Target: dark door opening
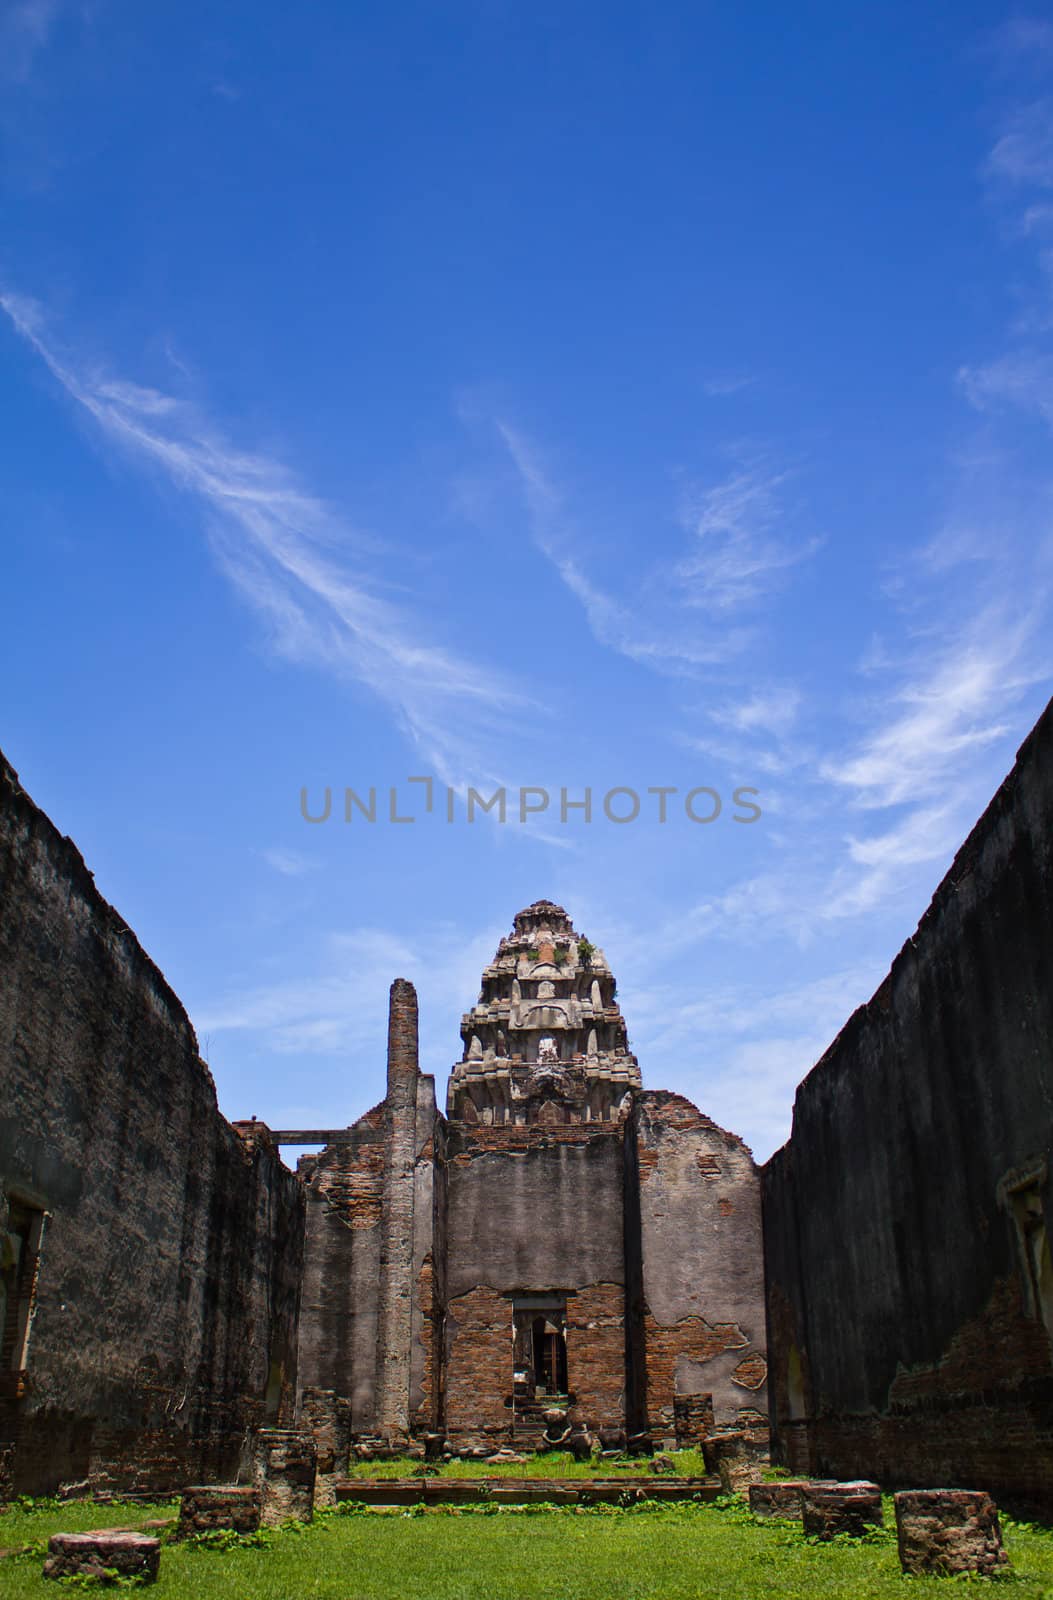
[[539, 1352]]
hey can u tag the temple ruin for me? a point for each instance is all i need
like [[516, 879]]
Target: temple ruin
[[561, 1236], [558, 1237]]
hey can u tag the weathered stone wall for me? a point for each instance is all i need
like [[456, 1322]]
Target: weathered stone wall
[[533, 1210], [907, 1221], [703, 1279], [169, 1273]]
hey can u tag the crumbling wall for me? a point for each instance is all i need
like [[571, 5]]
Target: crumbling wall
[[166, 1296], [907, 1221], [371, 1299], [533, 1210], [703, 1279], [344, 1187]]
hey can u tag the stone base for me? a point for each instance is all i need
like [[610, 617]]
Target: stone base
[[781, 1499], [206, 1507], [948, 1530], [829, 1509], [94, 1555]]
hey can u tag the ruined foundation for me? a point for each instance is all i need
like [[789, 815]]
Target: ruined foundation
[[284, 1471], [94, 1555], [944, 1531]]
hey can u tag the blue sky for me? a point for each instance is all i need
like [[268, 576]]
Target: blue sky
[[565, 396]]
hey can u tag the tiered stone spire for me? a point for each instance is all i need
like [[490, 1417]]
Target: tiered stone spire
[[546, 1041]]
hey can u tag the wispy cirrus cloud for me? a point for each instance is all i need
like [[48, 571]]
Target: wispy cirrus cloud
[[1021, 378], [1023, 152], [738, 558], [722, 385], [952, 704], [289, 863], [735, 560], [295, 561]]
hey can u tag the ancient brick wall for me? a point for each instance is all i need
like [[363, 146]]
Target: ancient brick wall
[[344, 1187], [703, 1283], [168, 1279], [370, 1298], [533, 1210], [907, 1221]]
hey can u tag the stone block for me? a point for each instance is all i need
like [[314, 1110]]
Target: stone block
[[95, 1555], [207, 1507], [284, 1466], [948, 1530], [781, 1499], [831, 1508], [721, 1444]]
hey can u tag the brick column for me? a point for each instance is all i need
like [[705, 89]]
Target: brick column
[[395, 1300], [327, 1418]]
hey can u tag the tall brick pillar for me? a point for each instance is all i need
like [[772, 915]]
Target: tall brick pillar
[[395, 1301]]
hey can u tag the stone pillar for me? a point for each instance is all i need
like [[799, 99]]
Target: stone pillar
[[326, 1416], [395, 1298], [284, 1471], [948, 1530], [828, 1509]]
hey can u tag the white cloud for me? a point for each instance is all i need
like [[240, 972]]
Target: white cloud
[[1023, 379], [954, 706], [291, 557], [290, 863], [721, 385], [767, 711], [737, 559], [1023, 154], [652, 629]]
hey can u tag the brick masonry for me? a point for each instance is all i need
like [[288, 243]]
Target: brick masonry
[[907, 1221], [702, 1260]]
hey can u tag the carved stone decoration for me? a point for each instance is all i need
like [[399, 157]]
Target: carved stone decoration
[[533, 1032]]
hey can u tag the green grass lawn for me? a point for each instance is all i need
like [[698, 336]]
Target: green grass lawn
[[668, 1553]]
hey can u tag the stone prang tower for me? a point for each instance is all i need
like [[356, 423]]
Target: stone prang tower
[[546, 1040]]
